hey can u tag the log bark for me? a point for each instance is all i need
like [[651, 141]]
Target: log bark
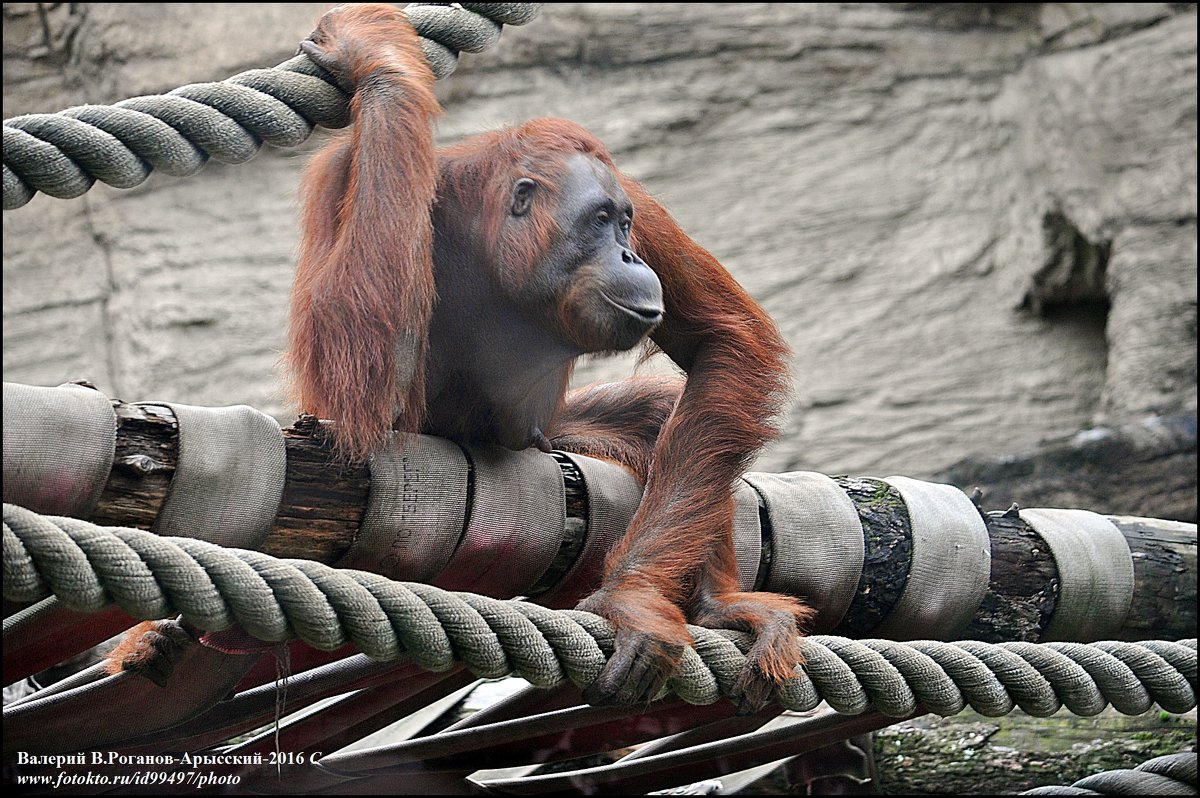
[[323, 499], [143, 465]]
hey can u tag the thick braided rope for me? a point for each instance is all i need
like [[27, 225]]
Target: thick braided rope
[[1174, 774], [86, 567], [63, 154]]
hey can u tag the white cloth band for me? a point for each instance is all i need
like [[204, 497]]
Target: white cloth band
[[58, 447], [1095, 573], [228, 478], [818, 542], [951, 563], [415, 510]]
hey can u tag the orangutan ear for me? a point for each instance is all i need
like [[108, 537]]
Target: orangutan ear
[[522, 196]]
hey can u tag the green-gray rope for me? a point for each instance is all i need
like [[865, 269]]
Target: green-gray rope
[[1174, 774], [63, 154], [86, 567]]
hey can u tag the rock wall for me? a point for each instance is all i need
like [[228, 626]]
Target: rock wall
[[975, 223]]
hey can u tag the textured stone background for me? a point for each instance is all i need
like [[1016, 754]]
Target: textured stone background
[[976, 224]]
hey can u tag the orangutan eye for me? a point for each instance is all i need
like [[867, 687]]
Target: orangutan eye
[[602, 218]]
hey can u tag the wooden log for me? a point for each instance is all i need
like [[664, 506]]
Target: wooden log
[[1023, 588], [887, 552], [323, 502], [1164, 577], [323, 499], [143, 465]]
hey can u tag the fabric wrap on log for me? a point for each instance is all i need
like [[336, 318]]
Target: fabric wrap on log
[[817, 539], [613, 495], [951, 563], [747, 533], [59, 445], [518, 512], [415, 510], [229, 477], [1095, 574]]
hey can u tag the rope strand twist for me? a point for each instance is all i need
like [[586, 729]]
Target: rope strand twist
[[64, 154], [86, 567], [1173, 774]]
